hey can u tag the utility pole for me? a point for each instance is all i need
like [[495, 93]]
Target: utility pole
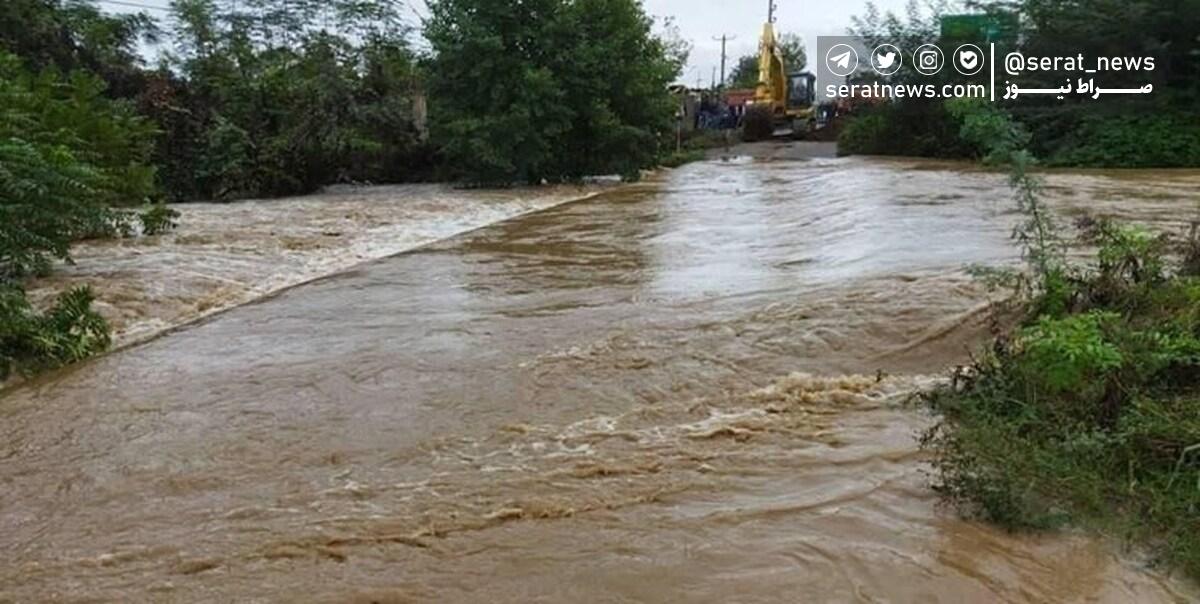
[[724, 40]]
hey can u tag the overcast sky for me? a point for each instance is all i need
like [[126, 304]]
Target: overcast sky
[[701, 20]]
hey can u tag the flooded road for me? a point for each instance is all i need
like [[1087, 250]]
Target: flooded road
[[226, 254], [686, 390]]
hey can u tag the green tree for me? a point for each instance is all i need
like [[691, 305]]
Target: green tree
[[285, 98], [795, 58], [69, 331], [67, 155], [547, 89], [75, 35], [791, 46], [745, 73], [1161, 129]]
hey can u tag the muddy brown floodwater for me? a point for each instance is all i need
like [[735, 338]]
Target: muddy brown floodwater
[[226, 254], [666, 393]]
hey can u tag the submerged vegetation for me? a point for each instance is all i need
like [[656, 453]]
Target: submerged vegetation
[[1086, 408], [30, 340]]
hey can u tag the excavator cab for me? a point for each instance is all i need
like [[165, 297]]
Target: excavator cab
[[801, 90]]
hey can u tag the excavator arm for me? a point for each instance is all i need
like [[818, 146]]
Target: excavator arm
[[772, 73], [780, 99]]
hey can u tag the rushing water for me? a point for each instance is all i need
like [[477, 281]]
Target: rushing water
[[226, 254], [686, 390]]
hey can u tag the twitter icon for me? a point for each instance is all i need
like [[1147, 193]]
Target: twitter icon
[[886, 59]]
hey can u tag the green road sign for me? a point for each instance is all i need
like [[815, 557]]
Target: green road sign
[[996, 27]]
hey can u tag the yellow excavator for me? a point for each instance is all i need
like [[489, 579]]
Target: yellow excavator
[[783, 102]]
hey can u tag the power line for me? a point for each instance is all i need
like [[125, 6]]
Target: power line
[[127, 4]]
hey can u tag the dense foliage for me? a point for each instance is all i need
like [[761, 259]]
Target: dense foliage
[[1160, 130], [266, 98], [68, 154], [1116, 138], [280, 98], [922, 129], [1089, 410], [72, 35], [1086, 408], [72, 152], [547, 89], [30, 340]]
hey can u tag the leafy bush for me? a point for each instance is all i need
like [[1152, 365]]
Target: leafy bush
[[67, 154], [1163, 140], [158, 219], [1086, 409], [914, 129], [1090, 418], [68, 332], [863, 134], [1069, 355]]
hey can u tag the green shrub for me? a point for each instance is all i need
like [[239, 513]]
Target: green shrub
[[1087, 410], [863, 134], [1069, 355], [679, 158], [69, 331], [1129, 140], [1091, 419], [158, 219], [910, 128], [67, 154]]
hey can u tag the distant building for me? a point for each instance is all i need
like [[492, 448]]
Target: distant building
[[736, 99]]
